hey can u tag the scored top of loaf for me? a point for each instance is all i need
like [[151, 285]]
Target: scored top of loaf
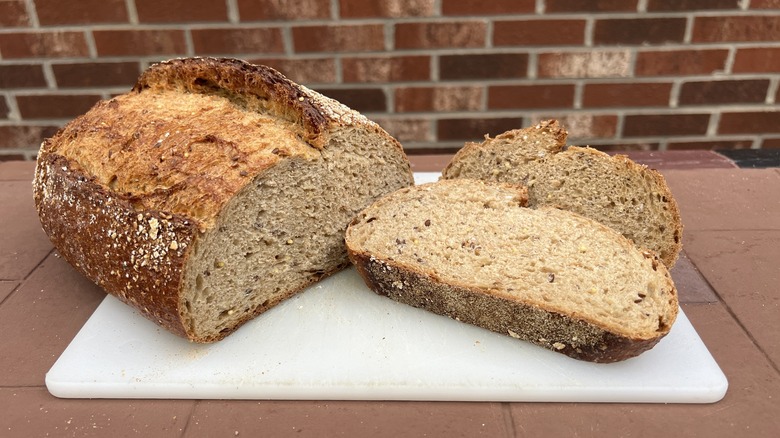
[[194, 131], [229, 77]]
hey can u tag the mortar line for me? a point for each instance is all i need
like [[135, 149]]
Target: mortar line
[[590, 25], [540, 7], [13, 108], [89, 37], [288, 43], [335, 10], [232, 11], [579, 91], [688, 33], [48, 74], [32, 12], [189, 46], [509, 421], [730, 57], [771, 91], [132, 12]]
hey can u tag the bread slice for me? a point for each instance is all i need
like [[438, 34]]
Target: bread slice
[[470, 250], [613, 190], [212, 191]]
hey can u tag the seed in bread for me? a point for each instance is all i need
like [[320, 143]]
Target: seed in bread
[[212, 191], [470, 250], [613, 190]]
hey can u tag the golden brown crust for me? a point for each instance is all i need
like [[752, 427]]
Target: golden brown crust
[[236, 78], [195, 131], [658, 181], [550, 129], [564, 334], [137, 256], [125, 190], [621, 163]]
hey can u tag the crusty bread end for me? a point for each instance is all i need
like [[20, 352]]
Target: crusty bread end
[[470, 250], [614, 190]]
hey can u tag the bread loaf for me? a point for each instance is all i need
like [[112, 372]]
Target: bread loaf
[[613, 190], [470, 250], [212, 191]]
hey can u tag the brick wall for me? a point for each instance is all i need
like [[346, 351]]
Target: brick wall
[[620, 74]]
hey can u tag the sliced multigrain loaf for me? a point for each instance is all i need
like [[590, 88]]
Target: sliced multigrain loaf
[[469, 250], [613, 190], [212, 191]]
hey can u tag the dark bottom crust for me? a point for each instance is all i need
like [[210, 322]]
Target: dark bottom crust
[[559, 333]]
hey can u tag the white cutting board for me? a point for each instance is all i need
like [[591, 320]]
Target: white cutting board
[[339, 341]]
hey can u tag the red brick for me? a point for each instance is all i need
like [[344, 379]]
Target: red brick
[[359, 99], [722, 92], [475, 129], [691, 5], [531, 96], [593, 64], [651, 125], [432, 149], [757, 60], [25, 136], [96, 74], [584, 126], [12, 157], [303, 71], [386, 8], [493, 7], [439, 99], [283, 10], [139, 42], [639, 30], [765, 4], [22, 76], [55, 44], [55, 106], [411, 130], [680, 62], [55, 12], [709, 145], [626, 94], [464, 34], [237, 40], [770, 143], [483, 66], [180, 11], [626, 147], [736, 28], [753, 122], [13, 13], [4, 110], [590, 6], [538, 32], [386, 69], [336, 38]]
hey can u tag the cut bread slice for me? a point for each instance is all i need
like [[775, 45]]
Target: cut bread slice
[[212, 191], [613, 190], [469, 250]]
